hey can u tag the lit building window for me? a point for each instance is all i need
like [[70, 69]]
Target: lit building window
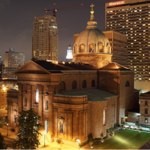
[[37, 95], [146, 120], [104, 117]]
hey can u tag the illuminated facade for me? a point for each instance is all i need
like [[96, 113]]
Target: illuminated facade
[[75, 99], [3, 97], [132, 18], [118, 43], [45, 38]]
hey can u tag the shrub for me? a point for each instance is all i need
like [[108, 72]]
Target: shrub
[[90, 139]]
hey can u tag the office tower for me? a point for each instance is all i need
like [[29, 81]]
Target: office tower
[[132, 18], [14, 59], [69, 54], [45, 38], [118, 44], [1, 60]]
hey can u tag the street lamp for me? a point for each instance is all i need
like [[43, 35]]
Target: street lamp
[[78, 141], [7, 129], [44, 138]]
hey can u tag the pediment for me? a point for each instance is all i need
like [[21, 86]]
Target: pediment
[[31, 68]]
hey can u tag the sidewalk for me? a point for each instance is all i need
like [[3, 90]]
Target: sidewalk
[[52, 146], [10, 138], [55, 145]]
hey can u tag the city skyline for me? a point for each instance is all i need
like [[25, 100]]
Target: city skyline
[[18, 17]]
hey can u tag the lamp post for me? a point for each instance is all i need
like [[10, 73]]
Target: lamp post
[[78, 141], [7, 129], [44, 138]]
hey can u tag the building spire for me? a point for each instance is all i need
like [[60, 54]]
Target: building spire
[[92, 12]]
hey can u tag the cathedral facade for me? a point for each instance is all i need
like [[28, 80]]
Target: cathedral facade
[[76, 98]]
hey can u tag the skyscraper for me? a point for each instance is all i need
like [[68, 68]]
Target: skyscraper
[[45, 38], [118, 44], [14, 59], [132, 18]]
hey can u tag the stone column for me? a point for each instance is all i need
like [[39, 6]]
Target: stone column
[[29, 97], [66, 125], [70, 126], [83, 125], [20, 97], [56, 123], [86, 124], [40, 105], [75, 125], [33, 94], [51, 119], [80, 125]]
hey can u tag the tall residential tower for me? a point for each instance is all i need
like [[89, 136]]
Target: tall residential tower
[[132, 18], [45, 38]]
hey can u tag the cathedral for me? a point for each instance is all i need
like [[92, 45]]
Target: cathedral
[[73, 99]]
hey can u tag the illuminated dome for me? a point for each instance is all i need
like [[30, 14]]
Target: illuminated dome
[[91, 46], [92, 40]]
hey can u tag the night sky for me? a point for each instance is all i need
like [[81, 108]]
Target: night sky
[[17, 16]]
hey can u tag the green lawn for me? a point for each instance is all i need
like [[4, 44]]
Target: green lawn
[[126, 139]]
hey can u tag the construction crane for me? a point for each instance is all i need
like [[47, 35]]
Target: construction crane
[[56, 9]]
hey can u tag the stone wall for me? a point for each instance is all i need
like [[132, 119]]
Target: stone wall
[[78, 76], [95, 116], [115, 81]]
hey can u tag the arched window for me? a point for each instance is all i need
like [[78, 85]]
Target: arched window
[[101, 48], [81, 48], [74, 85], [104, 117], [93, 83], [46, 107], [84, 84], [37, 96], [91, 48], [62, 86], [25, 102], [127, 84]]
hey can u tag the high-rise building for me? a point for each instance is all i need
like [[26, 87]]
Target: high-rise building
[[1, 60], [14, 59], [132, 18], [45, 38], [69, 54], [118, 44]]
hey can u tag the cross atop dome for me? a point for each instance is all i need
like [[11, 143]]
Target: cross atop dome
[[92, 12], [92, 6]]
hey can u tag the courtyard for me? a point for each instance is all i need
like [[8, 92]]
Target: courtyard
[[126, 139]]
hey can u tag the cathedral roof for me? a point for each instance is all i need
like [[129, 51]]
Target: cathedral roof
[[58, 66], [93, 94], [114, 66], [147, 94]]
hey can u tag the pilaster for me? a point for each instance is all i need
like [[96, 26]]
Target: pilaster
[[20, 97]]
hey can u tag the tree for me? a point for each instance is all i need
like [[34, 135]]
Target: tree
[[28, 135], [2, 145]]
